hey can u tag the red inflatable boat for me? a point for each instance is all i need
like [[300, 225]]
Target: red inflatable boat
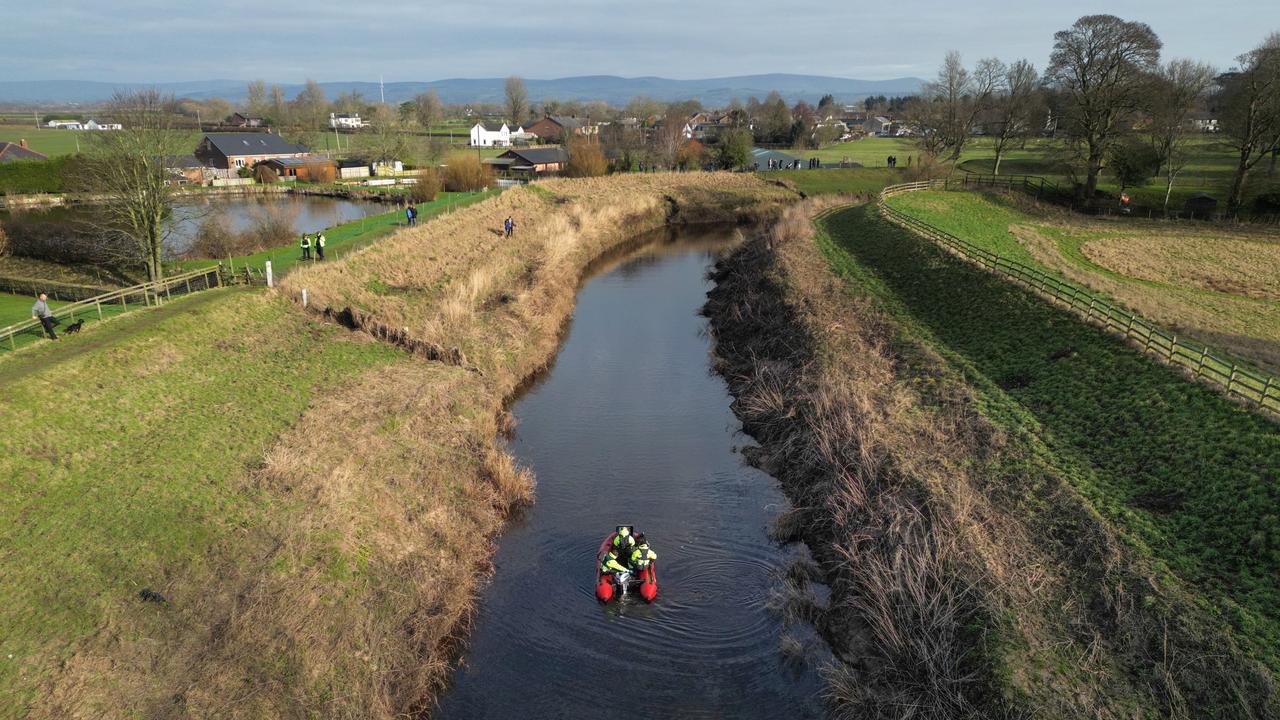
[[620, 584]]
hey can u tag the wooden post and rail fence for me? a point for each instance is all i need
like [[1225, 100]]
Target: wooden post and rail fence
[[100, 307], [1238, 380]]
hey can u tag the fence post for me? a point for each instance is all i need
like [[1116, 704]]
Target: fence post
[[12, 345], [270, 279], [1232, 379], [1129, 328], [1204, 352], [98, 305], [1262, 399], [1173, 347]]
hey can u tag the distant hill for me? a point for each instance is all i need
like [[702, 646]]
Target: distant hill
[[615, 90]]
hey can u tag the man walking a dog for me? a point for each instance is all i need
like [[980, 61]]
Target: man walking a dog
[[40, 311]]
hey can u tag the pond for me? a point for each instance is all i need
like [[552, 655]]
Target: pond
[[308, 213]]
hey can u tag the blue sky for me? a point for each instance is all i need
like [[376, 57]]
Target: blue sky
[[288, 40]]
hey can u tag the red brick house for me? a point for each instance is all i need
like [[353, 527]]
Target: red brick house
[[552, 128], [10, 152], [229, 151]]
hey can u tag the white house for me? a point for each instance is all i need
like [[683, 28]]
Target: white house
[[345, 121], [64, 125], [484, 137], [95, 125]]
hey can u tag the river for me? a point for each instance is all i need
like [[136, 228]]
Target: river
[[631, 426], [309, 213]]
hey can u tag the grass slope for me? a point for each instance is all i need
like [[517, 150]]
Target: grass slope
[[1214, 283], [1190, 478], [121, 456]]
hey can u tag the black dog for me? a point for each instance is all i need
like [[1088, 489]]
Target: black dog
[[74, 327]]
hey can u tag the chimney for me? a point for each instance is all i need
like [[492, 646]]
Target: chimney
[[23, 143]]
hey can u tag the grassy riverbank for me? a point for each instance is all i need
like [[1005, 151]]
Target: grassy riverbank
[[315, 507], [1019, 514]]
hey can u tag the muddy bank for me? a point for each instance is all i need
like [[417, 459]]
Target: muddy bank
[[968, 578]]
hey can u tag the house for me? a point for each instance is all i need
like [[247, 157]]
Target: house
[[484, 137], [95, 125], [307, 169], [244, 149], [530, 162], [346, 121], [13, 153], [64, 125], [553, 128], [877, 125], [1202, 122], [244, 121]]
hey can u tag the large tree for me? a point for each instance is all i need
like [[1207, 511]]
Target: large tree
[[517, 100], [950, 105], [131, 167], [1015, 108], [1249, 104], [428, 109], [1103, 65], [1178, 89], [257, 92], [311, 109]]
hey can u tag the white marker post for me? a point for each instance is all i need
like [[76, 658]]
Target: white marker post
[[270, 281], [304, 297]]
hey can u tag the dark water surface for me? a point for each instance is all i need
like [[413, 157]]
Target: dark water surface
[[632, 426], [307, 213]]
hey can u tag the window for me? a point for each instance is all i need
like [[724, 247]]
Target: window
[[239, 162]]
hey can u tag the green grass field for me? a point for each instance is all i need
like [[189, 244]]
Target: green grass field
[[112, 479], [1216, 284], [1188, 477]]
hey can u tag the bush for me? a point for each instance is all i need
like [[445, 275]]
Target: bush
[[64, 241], [244, 172], [427, 187], [585, 159], [1134, 163], [271, 225], [734, 149], [265, 175], [4, 242], [32, 176], [465, 173], [214, 239]]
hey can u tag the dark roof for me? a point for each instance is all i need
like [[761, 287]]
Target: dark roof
[[248, 143], [566, 121], [182, 162], [12, 152], [297, 161], [538, 156]]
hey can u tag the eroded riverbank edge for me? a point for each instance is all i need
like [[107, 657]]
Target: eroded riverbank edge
[[968, 578]]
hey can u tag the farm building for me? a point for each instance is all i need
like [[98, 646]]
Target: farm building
[[306, 169], [552, 128], [531, 162], [482, 136], [244, 121], [346, 121], [245, 149], [10, 152]]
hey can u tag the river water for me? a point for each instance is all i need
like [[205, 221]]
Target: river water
[[631, 426]]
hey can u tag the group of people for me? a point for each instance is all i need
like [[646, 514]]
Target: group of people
[[411, 214], [628, 552], [308, 242], [892, 161]]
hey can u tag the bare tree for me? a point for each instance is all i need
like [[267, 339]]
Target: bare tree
[[257, 98], [1178, 89], [517, 100], [132, 168], [1014, 107], [1250, 103], [278, 106], [312, 109], [950, 105], [1103, 64], [428, 109]]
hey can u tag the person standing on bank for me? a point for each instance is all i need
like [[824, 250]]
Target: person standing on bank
[[305, 244], [40, 311], [320, 246]]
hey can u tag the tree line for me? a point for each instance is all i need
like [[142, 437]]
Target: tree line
[[1116, 102]]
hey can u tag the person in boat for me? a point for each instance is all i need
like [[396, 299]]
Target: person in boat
[[624, 540], [642, 556], [612, 563]]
